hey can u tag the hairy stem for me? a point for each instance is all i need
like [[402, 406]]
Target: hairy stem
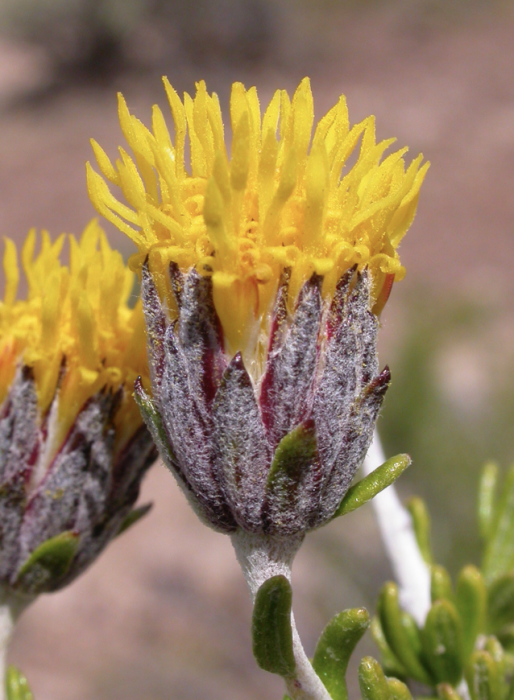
[[410, 570], [261, 558], [11, 608]]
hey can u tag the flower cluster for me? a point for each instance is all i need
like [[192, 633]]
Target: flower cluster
[[73, 448]]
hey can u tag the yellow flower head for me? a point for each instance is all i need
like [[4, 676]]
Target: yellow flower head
[[74, 329], [283, 198]]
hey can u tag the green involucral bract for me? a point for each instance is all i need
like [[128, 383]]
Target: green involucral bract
[[49, 562]]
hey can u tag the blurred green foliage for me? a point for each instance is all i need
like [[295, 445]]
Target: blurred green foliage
[[17, 687], [451, 407], [467, 636]]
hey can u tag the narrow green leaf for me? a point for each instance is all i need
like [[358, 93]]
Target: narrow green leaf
[[412, 632], [334, 648], [446, 692], [483, 678], [372, 682], [17, 686], [390, 664], [442, 642], [133, 517], [398, 690], [499, 549], [421, 524], [441, 587], [487, 499], [271, 627], [367, 488], [49, 562], [493, 647], [471, 601], [500, 608], [398, 635]]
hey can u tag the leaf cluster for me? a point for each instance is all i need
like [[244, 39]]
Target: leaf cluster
[[466, 645]]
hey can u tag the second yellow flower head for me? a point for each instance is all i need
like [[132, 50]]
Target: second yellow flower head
[[74, 329]]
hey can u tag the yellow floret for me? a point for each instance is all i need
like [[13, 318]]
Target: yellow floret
[[75, 328], [281, 199]]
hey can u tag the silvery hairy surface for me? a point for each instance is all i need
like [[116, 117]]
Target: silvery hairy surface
[[276, 456], [85, 489]]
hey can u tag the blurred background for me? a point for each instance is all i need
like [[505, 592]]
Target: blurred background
[[165, 612]]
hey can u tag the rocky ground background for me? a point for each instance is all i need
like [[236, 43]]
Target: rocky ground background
[[164, 613]]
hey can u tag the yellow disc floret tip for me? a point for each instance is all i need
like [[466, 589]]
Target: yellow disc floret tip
[[75, 328], [286, 196]]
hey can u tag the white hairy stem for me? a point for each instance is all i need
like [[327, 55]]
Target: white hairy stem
[[261, 558], [11, 608], [410, 570]]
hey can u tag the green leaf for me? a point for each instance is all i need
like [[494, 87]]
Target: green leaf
[[442, 642], [133, 517], [500, 609], [372, 682], [49, 562], [367, 488], [441, 587], [271, 627], [509, 694], [499, 549], [487, 499], [471, 601], [390, 663], [334, 648], [493, 647], [16, 685], [398, 690], [398, 633], [483, 677], [412, 632], [506, 639], [421, 524], [446, 692]]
